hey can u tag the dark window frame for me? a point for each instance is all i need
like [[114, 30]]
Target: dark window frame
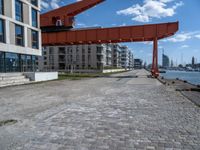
[[3, 31], [34, 2], [35, 20], [35, 43], [19, 37], [2, 7], [21, 17]]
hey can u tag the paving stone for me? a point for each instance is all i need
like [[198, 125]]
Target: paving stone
[[99, 114]]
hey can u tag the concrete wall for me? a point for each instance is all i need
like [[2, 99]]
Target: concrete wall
[[42, 76], [12, 33], [26, 13], [7, 8]]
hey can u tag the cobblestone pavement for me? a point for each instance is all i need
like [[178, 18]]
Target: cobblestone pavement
[[116, 113]]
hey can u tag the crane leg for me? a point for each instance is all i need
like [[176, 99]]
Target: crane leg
[[154, 69]]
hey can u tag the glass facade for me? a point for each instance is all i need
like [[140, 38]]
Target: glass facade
[[1, 7], [19, 35], [34, 18], [19, 10], [34, 2], [2, 32], [12, 62], [34, 39]]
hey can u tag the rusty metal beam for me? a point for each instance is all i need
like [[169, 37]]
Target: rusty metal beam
[[110, 35], [67, 11]]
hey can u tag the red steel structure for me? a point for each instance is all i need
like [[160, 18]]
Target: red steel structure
[[57, 29]]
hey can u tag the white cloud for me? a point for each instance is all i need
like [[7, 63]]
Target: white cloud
[[181, 37], [151, 9], [197, 36], [184, 46], [81, 24], [45, 4]]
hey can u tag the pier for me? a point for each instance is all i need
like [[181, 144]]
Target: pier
[[121, 112]]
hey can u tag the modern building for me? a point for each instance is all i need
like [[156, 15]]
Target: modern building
[[20, 35], [125, 57], [131, 60], [116, 55], [165, 61], [75, 57], [137, 64], [193, 61]]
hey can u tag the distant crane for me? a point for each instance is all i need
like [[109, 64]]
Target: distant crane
[[57, 29]]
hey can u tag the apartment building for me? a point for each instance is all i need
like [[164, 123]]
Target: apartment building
[[116, 55], [75, 57], [125, 57], [20, 35], [131, 60]]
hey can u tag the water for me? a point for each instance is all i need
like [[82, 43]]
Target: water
[[191, 77]]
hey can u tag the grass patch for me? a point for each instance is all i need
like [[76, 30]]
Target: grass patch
[[79, 76]]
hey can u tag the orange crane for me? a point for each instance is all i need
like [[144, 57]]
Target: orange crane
[[57, 29]]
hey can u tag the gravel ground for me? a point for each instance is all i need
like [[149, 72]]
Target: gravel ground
[[115, 113]]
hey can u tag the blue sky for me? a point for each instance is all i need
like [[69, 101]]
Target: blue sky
[[180, 48]]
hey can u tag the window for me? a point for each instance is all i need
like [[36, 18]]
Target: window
[[2, 35], [19, 35], [1, 6], [34, 2], [34, 18], [34, 39], [18, 10]]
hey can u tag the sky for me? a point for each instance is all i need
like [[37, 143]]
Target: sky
[[180, 48]]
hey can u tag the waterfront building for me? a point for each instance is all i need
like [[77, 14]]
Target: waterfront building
[[165, 61], [193, 61], [84, 57], [20, 35], [75, 57], [131, 60], [125, 57], [116, 55], [137, 64]]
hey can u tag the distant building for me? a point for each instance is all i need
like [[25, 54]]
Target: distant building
[[131, 60], [193, 61], [125, 57], [76, 57], [137, 64], [165, 61], [116, 55], [84, 57]]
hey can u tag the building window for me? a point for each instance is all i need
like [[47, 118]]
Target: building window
[[34, 18], [2, 32], [34, 2], [1, 7], [19, 35], [34, 39], [19, 10]]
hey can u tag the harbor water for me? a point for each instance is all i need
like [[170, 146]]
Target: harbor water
[[191, 77]]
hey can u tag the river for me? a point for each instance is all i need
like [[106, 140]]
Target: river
[[191, 77]]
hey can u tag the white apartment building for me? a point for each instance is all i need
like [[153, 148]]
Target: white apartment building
[[75, 57], [131, 60], [20, 35], [125, 57], [116, 55]]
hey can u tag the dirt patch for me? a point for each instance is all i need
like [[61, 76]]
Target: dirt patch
[[7, 122]]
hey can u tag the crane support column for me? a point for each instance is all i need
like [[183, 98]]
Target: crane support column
[[154, 70]]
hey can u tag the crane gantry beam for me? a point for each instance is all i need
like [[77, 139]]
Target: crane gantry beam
[[110, 35]]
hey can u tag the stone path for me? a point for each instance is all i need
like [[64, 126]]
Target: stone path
[[99, 114]]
